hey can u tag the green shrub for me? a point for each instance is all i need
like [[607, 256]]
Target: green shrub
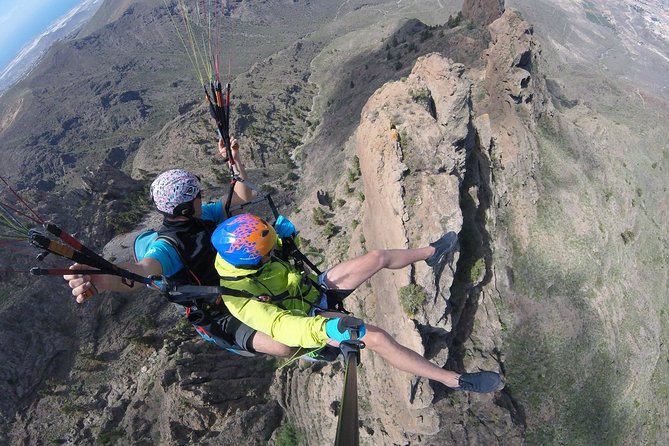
[[628, 236], [200, 141], [181, 331], [143, 344], [318, 215], [110, 437], [147, 322], [288, 435], [266, 188], [330, 230], [222, 175], [356, 165], [477, 270], [404, 139], [427, 34], [351, 176], [412, 298], [420, 94], [454, 21], [70, 408]]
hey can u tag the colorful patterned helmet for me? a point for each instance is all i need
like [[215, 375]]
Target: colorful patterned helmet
[[174, 188], [243, 240]]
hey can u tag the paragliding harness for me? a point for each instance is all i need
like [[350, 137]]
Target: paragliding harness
[[289, 251], [192, 289], [191, 284], [284, 255], [203, 306]]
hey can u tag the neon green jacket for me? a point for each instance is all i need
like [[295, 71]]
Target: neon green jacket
[[289, 325]]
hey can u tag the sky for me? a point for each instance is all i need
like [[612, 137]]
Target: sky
[[23, 20]]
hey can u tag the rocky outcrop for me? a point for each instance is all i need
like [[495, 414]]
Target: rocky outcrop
[[416, 147], [516, 99], [412, 186], [482, 12], [510, 59], [411, 198], [156, 389], [453, 162]]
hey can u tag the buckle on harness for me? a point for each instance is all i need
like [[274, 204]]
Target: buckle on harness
[[160, 281]]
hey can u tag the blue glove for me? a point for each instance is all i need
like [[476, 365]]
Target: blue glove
[[284, 228], [339, 328]]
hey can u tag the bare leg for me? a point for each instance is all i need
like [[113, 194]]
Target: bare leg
[[405, 359], [263, 343], [351, 273]]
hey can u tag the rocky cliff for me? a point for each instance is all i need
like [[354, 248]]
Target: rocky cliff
[[435, 177], [562, 233]]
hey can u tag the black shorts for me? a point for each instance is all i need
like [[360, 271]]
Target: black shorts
[[225, 331], [236, 332]]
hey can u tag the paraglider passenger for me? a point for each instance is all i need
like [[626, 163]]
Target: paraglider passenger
[[184, 254], [296, 310]]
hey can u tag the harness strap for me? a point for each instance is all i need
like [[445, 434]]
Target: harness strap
[[196, 295], [174, 243], [336, 298]]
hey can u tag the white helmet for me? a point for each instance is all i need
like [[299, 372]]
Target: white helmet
[[174, 191]]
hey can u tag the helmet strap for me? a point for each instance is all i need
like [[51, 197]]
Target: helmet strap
[[186, 209]]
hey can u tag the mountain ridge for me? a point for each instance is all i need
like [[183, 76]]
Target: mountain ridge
[[562, 245]]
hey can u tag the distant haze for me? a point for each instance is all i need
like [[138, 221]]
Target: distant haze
[[29, 28]]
